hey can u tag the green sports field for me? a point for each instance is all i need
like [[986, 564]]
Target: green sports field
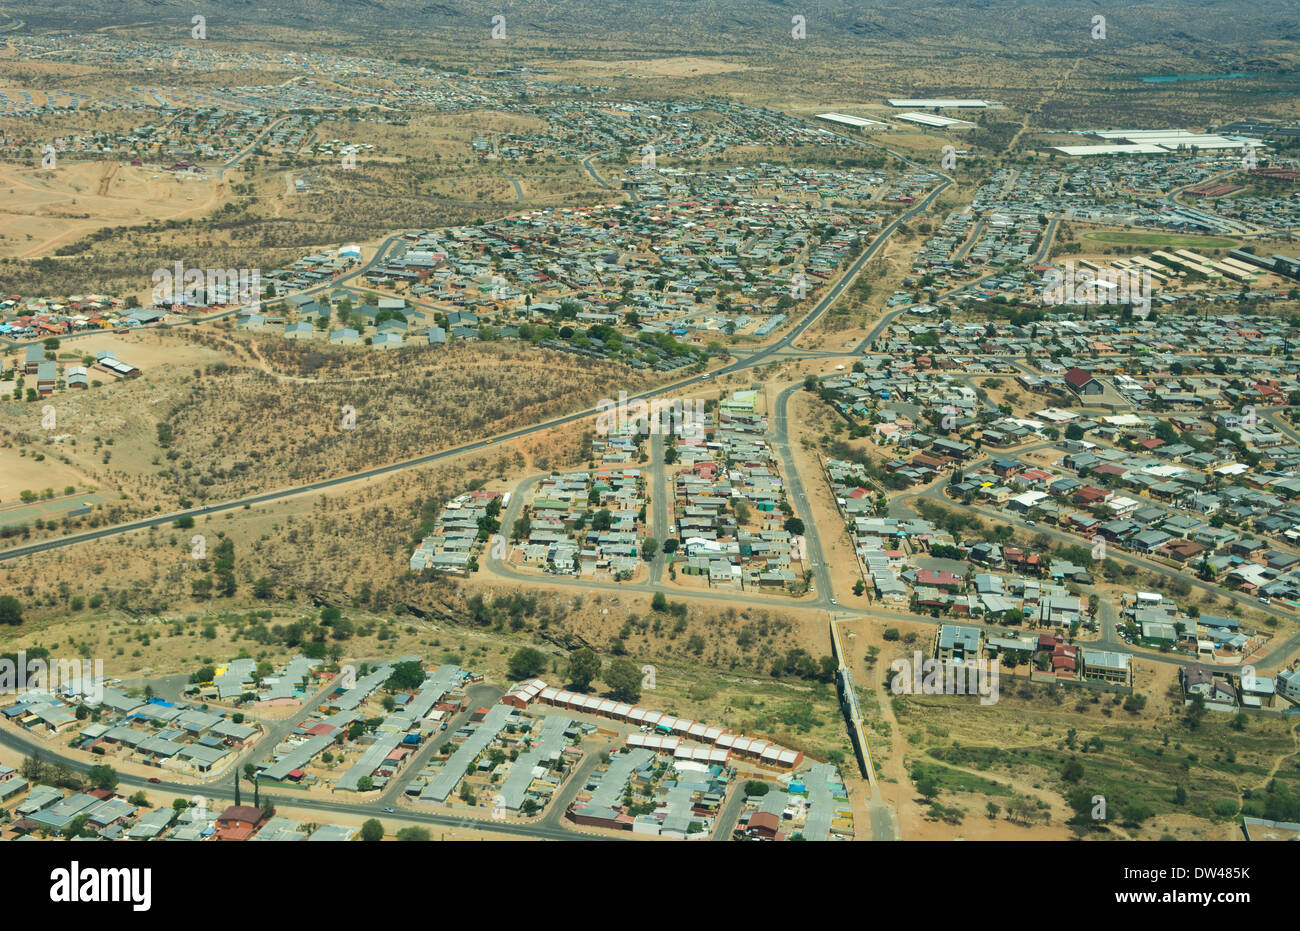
[[1172, 240]]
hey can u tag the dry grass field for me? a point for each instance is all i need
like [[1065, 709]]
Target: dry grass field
[[219, 414], [42, 210]]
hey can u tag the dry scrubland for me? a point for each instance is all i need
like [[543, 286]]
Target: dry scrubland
[[101, 226], [219, 414], [943, 760], [1027, 742], [350, 548], [432, 137]]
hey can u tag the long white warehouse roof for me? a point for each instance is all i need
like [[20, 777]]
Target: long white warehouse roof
[[926, 119], [1117, 149], [848, 120], [940, 102]]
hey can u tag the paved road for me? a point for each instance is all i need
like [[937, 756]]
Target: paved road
[[502, 569], [519, 190], [381, 256], [882, 821], [780, 442], [974, 238], [586, 163], [659, 518], [277, 731], [825, 592], [554, 815], [798, 499], [724, 824], [243, 153], [654, 583], [1231, 227], [886, 320]]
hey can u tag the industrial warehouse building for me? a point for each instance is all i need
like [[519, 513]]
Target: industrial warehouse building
[[856, 122], [939, 103], [1155, 142], [934, 122]]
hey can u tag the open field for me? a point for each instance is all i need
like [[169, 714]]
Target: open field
[[44, 210], [1160, 240]]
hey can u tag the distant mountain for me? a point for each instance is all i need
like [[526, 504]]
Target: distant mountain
[[1207, 27]]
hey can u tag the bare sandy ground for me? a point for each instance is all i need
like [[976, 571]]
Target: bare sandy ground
[[676, 67], [45, 209]]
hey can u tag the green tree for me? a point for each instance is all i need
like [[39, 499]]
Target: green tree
[[11, 610], [584, 666], [526, 663], [928, 786], [102, 777], [624, 680], [1136, 812], [1080, 800], [406, 675], [372, 830]]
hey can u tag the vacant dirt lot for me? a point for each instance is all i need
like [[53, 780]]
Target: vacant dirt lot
[[44, 209]]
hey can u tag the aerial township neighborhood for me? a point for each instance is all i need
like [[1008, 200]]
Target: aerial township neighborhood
[[730, 467]]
